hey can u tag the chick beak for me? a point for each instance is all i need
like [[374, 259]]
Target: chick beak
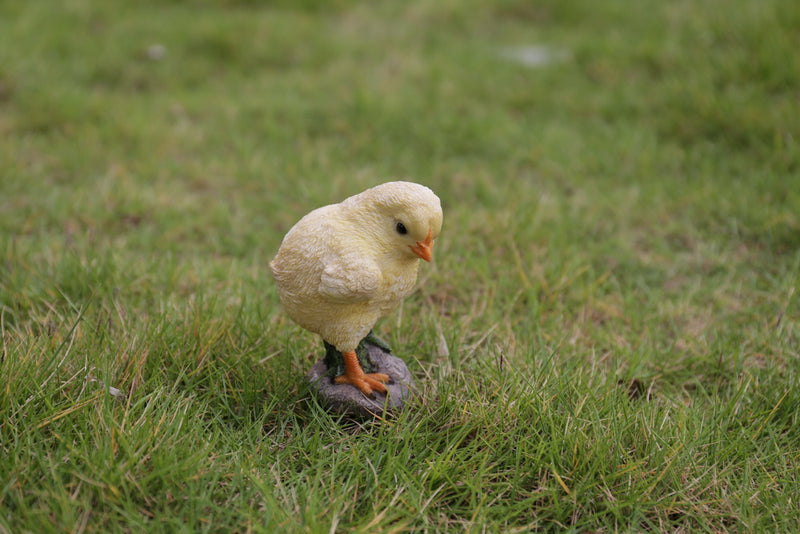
[[424, 249]]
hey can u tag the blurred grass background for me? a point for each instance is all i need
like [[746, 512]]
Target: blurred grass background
[[607, 339]]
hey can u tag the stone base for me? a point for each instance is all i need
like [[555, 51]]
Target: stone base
[[348, 400]]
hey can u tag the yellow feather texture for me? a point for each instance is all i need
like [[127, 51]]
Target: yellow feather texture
[[344, 266]]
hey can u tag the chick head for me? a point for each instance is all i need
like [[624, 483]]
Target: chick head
[[402, 218]]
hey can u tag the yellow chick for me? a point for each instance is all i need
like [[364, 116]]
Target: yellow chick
[[344, 266]]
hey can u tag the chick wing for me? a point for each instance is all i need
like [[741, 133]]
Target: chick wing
[[349, 278]]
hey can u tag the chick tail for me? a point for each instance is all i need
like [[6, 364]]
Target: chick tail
[[355, 376]]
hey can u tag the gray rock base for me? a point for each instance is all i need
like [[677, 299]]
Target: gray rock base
[[348, 400]]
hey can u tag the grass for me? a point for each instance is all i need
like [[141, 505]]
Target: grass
[[607, 340]]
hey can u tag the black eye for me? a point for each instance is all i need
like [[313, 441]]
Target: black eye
[[401, 228]]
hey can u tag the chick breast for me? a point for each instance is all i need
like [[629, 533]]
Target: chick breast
[[332, 277]]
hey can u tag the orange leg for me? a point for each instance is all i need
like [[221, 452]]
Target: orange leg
[[355, 376]]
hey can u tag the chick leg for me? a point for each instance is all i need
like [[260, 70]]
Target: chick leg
[[355, 376]]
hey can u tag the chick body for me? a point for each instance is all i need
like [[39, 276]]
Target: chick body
[[342, 267]]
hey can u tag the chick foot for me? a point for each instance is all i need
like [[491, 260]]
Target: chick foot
[[355, 376]]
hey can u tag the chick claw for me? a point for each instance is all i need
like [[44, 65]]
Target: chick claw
[[355, 376], [365, 383]]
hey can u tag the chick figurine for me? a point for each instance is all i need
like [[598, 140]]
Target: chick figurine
[[344, 266]]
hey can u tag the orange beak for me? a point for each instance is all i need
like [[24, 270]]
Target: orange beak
[[424, 249]]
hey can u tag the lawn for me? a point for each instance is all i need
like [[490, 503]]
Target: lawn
[[608, 339]]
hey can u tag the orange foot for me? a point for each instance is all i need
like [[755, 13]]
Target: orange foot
[[355, 376]]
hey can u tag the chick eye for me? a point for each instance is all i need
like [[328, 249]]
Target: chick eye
[[401, 228]]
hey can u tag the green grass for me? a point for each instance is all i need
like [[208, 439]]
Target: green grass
[[608, 339]]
